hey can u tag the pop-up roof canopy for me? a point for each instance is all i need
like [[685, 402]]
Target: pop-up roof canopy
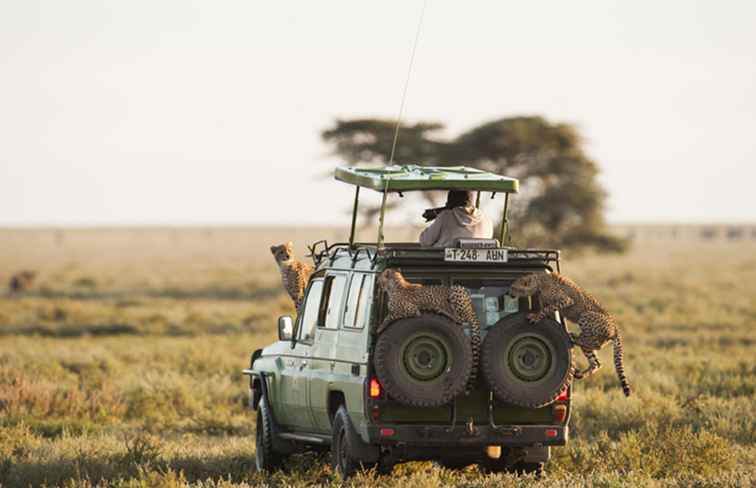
[[416, 178], [388, 179]]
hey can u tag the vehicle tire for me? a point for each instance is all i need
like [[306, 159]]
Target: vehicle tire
[[529, 468], [343, 459], [423, 361], [520, 468], [527, 364], [266, 458], [454, 464]]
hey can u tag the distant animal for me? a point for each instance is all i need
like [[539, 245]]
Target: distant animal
[[294, 273], [407, 299], [22, 281], [597, 326]]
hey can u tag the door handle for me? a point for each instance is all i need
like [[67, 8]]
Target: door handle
[[333, 365]]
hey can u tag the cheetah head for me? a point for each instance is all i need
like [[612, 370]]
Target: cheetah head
[[524, 286], [389, 278], [283, 252]]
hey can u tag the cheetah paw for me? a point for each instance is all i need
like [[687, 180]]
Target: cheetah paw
[[534, 318]]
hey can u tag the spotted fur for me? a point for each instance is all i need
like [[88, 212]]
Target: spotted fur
[[294, 273], [597, 326], [407, 299]]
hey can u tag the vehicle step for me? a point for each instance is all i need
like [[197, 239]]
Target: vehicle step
[[307, 438]]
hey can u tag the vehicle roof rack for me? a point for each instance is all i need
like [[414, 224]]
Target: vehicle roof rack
[[398, 253], [413, 177]]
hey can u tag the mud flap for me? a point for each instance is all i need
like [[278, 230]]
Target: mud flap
[[365, 452], [535, 454]]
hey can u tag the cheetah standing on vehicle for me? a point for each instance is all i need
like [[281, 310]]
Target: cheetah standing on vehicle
[[597, 326], [294, 273], [407, 299]]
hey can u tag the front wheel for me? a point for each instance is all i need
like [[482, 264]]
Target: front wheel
[[266, 458]]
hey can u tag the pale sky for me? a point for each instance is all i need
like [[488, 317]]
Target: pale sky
[[180, 112]]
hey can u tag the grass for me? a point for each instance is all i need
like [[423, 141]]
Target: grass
[[121, 367]]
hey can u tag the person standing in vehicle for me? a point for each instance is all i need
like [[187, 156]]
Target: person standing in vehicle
[[457, 219]]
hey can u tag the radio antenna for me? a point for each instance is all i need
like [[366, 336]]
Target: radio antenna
[[406, 83]]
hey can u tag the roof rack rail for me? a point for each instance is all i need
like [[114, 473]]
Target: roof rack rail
[[405, 252]]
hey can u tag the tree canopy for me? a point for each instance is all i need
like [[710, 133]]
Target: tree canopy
[[561, 203]]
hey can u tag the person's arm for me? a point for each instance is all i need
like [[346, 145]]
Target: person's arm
[[430, 235]]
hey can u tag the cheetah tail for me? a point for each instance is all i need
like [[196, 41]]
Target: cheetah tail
[[619, 364]]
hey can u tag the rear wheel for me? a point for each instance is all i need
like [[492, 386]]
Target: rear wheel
[[266, 458], [527, 364], [529, 468], [424, 361], [344, 462], [520, 468]]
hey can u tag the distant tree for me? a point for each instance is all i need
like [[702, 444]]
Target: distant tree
[[561, 202]]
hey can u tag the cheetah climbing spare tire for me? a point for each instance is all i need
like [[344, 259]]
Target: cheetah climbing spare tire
[[527, 364], [423, 361]]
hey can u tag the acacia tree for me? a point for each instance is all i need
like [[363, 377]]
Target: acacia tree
[[561, 203]]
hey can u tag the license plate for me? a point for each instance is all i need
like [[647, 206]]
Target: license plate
[[475, 255]]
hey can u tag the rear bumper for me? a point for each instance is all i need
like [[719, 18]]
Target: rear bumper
[[461, 436]]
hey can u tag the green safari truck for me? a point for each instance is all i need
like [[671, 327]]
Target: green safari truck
[[322, 386]]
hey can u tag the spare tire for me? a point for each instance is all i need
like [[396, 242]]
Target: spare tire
[[423, 361], [527, 364]]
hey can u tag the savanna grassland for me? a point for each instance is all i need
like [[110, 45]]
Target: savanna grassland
[[121, 366]]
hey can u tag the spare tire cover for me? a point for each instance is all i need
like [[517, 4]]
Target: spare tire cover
[[423, 361], [527, 364]]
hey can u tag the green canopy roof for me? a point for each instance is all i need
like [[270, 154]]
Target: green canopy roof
[[414, 177]]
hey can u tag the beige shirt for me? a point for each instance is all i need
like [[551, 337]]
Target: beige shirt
[[459, 222]]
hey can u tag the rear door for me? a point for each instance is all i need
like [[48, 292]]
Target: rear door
[[322, 364]]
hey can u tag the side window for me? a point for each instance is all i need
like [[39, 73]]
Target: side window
[[311, 308], [364, 302], [330, 307], [357, 307]]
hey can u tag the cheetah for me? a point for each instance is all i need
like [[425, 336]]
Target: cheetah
[[597, 326], [22, 281], [407, 299], [294, 273]]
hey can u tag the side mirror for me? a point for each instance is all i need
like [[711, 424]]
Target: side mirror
[[285, 328]]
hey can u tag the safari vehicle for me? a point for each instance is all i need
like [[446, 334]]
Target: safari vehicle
[[330, 381]]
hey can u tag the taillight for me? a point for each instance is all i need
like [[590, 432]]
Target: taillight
[[375, 388], [564, 395], [551, 433]]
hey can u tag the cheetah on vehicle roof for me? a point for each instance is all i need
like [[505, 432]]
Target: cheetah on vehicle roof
[[294, 273]]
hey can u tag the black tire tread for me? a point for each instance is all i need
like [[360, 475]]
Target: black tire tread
[[274, 459], [488, 365], [383, 348], [341, 419]]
